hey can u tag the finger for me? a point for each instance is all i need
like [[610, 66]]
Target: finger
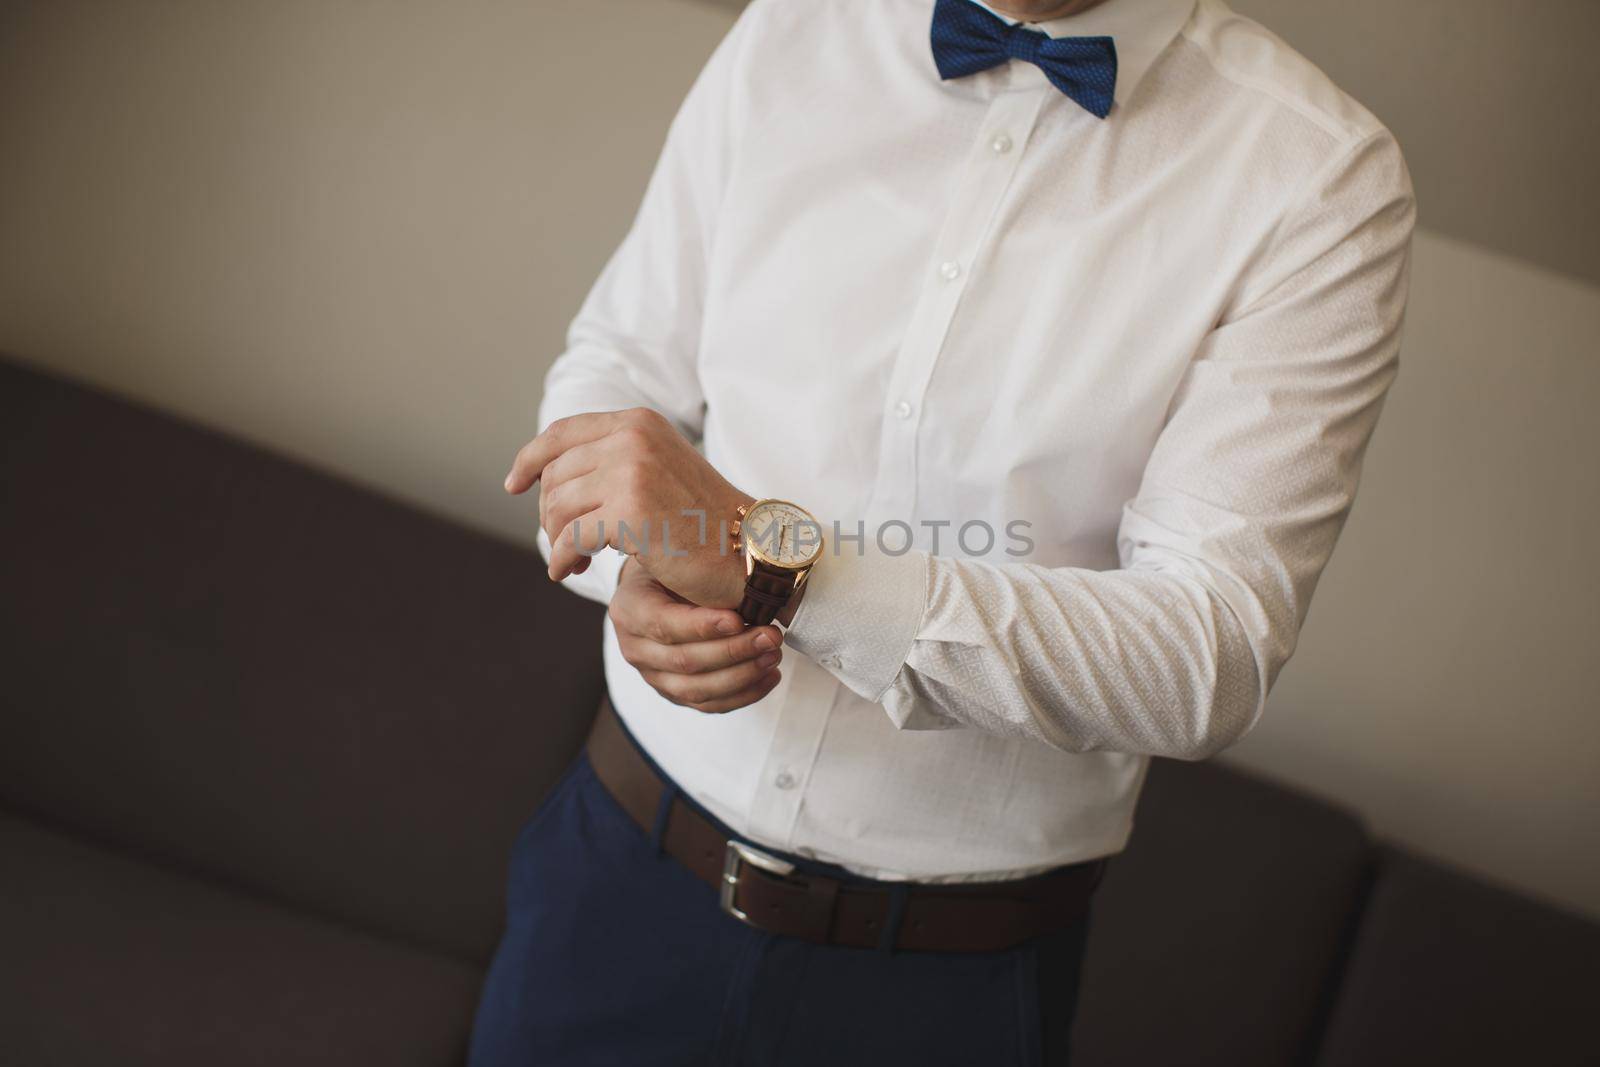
[[575, 462], [701, 657], [563, 503], [559, 436], [741, 699], [698, 690], [565, 552], [647, 609]]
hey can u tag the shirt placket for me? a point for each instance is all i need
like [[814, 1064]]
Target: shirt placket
[[985, 179], [793, 752]]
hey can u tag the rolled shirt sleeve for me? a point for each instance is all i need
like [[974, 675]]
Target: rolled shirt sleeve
[[1242, 499]]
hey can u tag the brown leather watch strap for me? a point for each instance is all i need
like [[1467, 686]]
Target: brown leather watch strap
[[766, 593], [966, 917]]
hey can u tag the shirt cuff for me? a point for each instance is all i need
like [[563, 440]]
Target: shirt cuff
[[860, 614]]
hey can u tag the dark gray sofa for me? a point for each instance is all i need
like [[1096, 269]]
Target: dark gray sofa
[[267, 738]]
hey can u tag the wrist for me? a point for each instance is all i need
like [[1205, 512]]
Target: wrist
[[731, 564]]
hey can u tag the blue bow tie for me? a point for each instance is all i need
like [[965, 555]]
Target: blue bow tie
[[967, 39]]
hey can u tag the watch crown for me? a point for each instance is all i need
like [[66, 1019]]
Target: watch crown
[[738, 524]]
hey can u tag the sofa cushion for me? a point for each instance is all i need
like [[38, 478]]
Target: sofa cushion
[[1450, 970], [110, 960], [1217, 935], [245, 668]]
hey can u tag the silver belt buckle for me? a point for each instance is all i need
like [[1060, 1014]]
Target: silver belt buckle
[[739, 853]]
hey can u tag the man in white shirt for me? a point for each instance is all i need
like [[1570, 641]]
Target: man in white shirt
[[1070, 333]]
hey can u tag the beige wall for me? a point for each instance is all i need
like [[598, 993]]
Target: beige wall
[[1494, 101], [355, 232], [352, 230]]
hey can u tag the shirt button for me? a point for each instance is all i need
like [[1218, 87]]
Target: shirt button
[[949, 270], [902, 410], [830, 662], [1001, 144], [785, 780]]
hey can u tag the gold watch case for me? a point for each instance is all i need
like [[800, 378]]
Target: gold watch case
[[752, 550]]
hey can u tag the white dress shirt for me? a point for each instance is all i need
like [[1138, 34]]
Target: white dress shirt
[[1161, 340]]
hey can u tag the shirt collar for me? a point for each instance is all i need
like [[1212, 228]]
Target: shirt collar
[[1142, 29]]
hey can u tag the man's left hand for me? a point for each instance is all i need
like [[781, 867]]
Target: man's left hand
[[626, 479]]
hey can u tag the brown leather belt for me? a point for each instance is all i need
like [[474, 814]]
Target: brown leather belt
[[767, 892]]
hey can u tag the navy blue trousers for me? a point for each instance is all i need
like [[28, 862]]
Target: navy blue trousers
[[615, 954]]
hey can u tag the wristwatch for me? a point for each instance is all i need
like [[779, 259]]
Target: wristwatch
[[780, 542]]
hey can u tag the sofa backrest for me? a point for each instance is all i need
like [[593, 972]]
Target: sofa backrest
[[1218, 936], [1447, 969], [258, 673]]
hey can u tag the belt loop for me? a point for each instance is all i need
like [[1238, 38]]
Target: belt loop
[[822, 895], [658, 832], [895, 919]]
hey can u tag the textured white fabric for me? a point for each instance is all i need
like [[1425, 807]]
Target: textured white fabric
[[1161, 340]]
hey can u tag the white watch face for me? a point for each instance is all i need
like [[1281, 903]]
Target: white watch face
[[782, 533]]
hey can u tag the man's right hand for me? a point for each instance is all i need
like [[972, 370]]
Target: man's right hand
[[702, 658]]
